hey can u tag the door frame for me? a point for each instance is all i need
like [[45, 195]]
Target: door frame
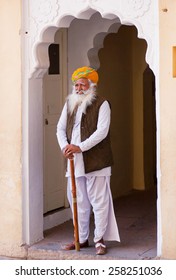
[[35, 64]]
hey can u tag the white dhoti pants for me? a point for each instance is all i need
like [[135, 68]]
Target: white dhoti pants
[[94, 193]]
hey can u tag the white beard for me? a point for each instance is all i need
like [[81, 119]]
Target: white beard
[[83, 100]]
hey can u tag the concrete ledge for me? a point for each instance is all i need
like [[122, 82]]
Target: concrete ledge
[[11, 251]]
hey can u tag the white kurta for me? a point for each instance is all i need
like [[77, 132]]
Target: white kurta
[[110, 231]]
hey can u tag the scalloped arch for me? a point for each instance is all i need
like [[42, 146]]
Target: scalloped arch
[[98, 43], [44, 36]]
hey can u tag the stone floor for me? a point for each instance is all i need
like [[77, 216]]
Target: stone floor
[[136, 218]]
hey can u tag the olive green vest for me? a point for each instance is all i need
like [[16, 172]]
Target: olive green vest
[[99, 156]]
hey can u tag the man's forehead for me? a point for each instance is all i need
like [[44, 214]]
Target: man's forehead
[[82, 81]]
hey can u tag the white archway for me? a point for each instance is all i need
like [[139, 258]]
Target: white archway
[[45, 19]]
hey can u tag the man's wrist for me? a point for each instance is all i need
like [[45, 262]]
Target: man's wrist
[[79, 149]]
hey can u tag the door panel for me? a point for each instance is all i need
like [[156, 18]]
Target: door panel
[[54, 95]]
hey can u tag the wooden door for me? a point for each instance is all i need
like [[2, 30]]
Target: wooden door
[[54, 89]]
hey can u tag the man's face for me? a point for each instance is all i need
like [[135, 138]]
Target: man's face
[[81, 85]]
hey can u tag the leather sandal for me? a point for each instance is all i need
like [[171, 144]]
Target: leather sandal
[[100, 247], [71, 246]]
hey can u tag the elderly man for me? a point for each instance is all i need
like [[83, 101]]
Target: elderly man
[[83, 134]]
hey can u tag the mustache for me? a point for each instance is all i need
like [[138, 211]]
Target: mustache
[[83, 91]]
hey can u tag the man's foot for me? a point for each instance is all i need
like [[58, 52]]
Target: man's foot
[[100, 247], [71, 246]]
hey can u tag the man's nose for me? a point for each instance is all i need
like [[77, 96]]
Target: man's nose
[[79, 87]]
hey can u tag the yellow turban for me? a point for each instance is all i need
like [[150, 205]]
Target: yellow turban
[[85, 72]]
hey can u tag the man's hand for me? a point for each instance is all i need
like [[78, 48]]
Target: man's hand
[[70, 150]]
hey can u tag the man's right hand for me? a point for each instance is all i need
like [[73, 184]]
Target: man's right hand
[[70, 149], [67, 154]]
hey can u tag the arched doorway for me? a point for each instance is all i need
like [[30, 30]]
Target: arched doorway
[[122, 64], [129, 84], [33, 84]]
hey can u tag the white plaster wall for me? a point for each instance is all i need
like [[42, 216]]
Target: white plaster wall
[[10, 129], [168, 128]]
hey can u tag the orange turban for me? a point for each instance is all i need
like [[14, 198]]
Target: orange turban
[[85, 72]]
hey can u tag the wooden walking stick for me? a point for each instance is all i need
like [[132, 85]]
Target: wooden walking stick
[[75, 212]]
